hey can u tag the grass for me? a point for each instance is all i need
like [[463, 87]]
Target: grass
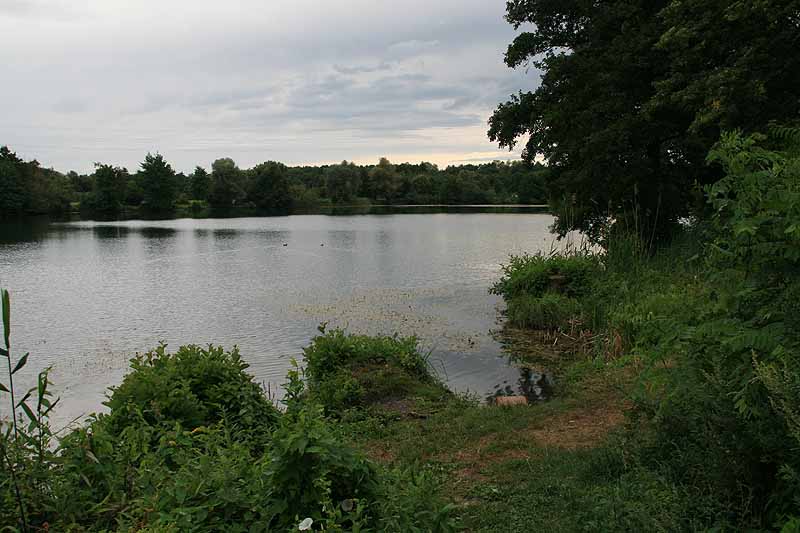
[[554, 466], [596, 457], [385, 374], [546, 312]]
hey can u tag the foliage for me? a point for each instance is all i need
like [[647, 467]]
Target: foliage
[[346, 370], [227, 183], [757, 205], [194, 387], [190, 443], [715, 333], [109, 189], [25, 439], [546, 312], [732, 64], [199, 184], [568, 273], [383, 181], [342, 181], [269, 187], [159, 183], [634, 94], [25, 187]]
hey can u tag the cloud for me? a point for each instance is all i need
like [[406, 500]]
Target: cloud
[[39, 9], [297, 81], [363, 69], [70, 105], [411, 48]]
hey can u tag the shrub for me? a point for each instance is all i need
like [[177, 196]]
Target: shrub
[[205, 480], [310, 473], [346, 370], [194, 387], [571, 274]]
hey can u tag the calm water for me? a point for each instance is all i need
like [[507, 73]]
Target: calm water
[[87, 295]]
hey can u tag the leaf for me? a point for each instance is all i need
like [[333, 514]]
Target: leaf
[[6, 316], [42, 386], [3, 388], [24, 398], [52, 405], [20, 363], [29, 412], [4, 352]]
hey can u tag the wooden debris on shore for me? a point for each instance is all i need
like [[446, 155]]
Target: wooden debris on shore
[[505, 401]]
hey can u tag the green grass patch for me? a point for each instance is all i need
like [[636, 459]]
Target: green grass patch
[[549, 311], [347, 371]]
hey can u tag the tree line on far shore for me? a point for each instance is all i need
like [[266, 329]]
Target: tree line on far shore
[[27, 187]]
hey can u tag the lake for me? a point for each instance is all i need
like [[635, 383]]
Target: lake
[[87, 295]]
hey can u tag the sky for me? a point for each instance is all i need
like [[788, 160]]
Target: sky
[[297, 81]]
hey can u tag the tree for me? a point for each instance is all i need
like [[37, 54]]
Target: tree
[[623, 92], [733, 65], [342, 181], [269, 186], [109, 188], [226, 183], [158, 183], [12, 188], [79, 183], [199, 184], [384, 180], [25, 187], [134, 192]]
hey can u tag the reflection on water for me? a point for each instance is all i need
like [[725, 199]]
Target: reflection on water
[[87, 295], [534, 386]]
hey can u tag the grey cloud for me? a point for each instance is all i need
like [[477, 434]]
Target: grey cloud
[[242, 78], [411, 47], [363, 69], [39, 9], [70, 105]]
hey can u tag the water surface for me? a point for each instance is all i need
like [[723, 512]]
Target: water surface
[[88, 295]]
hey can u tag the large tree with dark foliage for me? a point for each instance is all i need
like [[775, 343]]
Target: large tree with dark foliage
[[199, 184], [26, 187], [12, 187], [269, 186], [635, 92], [342, 181], [227, 187], [110, 185], [158, 183]]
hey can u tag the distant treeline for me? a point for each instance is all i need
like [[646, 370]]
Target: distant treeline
[[26, 187]]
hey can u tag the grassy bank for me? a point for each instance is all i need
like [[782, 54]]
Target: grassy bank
[[678, 364]]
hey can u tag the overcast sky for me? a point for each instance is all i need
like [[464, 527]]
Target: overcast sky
[[298, 81]]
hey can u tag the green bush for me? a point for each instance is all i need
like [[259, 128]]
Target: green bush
[[721, 392], [571, 274], [346, 370], [207, 481], [549, 311], [194, 387]]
